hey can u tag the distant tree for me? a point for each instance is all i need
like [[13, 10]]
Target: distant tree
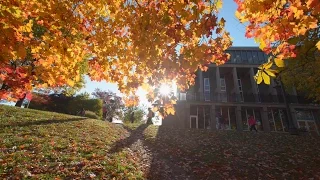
[[112, 104], [138, 114]]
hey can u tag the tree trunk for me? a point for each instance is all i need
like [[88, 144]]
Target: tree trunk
[[20, 101]]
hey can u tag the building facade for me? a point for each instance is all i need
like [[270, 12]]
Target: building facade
[[230, 90]]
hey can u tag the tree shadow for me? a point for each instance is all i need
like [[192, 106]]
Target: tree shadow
[[167, 160], [158, 155], [135, 135], [42, 122]]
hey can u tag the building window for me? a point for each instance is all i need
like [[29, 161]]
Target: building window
[[257, 116], [182, 96], [240, 90], [244, 56], [277, 120], [249, 56], [306, 121], [232, 56], [228, 118], [206, 89], [244, 117], [238, 57], [262, 58], [255, 58], [223, 87], [223, 84]]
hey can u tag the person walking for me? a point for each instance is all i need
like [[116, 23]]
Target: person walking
[[132, 117], [252, 123], [150, 116]]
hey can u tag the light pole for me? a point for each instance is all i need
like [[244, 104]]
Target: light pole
[[292, 129]]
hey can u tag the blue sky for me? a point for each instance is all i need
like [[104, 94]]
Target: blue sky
[[236, 30]]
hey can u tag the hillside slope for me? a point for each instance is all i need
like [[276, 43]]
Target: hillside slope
[[38, 144], [43, 145]]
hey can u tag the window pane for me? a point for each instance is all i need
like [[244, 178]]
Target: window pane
[[223, 82], [183, 96], [258, 119], [255, 57], [249, 56], [238, 57], [277, 120], [283, 116], [206, 81], [244, 56], [261, 57], [244, 120], [193, 110], [271, 122], [233, 123], [232, 56], [304, 115]]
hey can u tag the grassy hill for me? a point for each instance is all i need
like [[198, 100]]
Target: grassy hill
[[44, 145], [40, 144]]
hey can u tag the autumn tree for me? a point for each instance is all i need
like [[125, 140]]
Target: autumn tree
[[131, 43], [289, 31]]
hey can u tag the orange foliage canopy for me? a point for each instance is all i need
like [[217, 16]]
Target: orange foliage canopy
[[132, 42]]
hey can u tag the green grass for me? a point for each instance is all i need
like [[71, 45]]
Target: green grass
[[39, 145]]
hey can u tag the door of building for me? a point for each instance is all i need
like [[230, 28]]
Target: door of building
[[194, 122]]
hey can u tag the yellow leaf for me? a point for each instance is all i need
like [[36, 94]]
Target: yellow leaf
[[279, 62], [262, 45], [258, 77], [170, 111], [219, 4], [265, 65], [266, 78], [70, 82], [270, 72], [318, 45]]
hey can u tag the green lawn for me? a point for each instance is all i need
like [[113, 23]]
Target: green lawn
[[44, 145]]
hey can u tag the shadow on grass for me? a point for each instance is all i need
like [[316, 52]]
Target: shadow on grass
[[42, 122], [135, 135], [159, 161]]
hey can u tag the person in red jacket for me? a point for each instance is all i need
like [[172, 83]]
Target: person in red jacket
[[252, 123]]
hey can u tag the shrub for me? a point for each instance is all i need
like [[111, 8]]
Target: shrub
[[65, 104], [91, 115], [76, 104]]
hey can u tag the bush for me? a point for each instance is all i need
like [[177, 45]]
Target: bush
[[64, 104], [92, 115], [76, 104]]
